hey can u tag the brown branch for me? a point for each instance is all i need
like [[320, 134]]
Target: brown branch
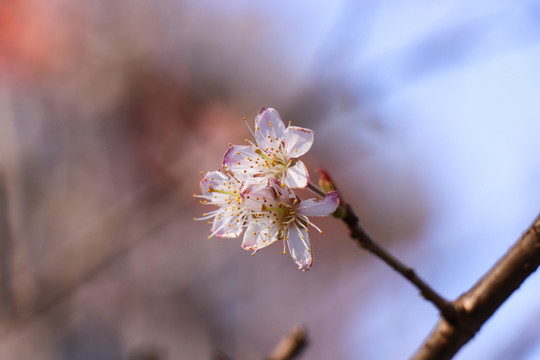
[[290, 346], [477, 305], [356, 231]]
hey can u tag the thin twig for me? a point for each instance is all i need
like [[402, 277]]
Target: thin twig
[[315, 189], [346, 213], [356, 231], [290, 345]]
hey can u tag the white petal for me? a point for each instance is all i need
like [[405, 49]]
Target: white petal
[[317, 207], [299, 247], [213, 179], [257, 195], [297, 141], [269, 130], [284, 193], [243, 161], [219, 181], [297, 176], [258, 235], [228, 223]]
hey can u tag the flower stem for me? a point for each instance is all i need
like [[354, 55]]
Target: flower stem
[[446, 308], [315, 189]]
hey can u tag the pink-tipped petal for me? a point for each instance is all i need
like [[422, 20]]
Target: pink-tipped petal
[[283, 192], [258, 235], [228, 223], [297, 141], [256, 196], [213, 179], [218, 181], [297, 176], [242, 160], [269, 129], [316, 207], [299, 247]]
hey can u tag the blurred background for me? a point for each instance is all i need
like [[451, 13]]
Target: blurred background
[[426, 115]]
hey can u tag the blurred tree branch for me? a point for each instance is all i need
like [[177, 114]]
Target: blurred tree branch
[[290, 345], [6, 253], [477, 305], [95, 247]]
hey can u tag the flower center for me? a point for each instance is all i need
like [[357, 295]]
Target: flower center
[[285, 213]]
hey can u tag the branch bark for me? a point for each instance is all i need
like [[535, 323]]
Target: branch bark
[[476, 306]]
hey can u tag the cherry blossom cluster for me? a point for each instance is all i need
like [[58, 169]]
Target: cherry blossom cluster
[[254, 192]]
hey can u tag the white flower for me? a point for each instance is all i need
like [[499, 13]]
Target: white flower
[[223, 190], [276, 153], [277, 214]]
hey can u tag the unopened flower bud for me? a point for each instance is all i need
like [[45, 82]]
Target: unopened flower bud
[[327, 185], [325, 181]]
